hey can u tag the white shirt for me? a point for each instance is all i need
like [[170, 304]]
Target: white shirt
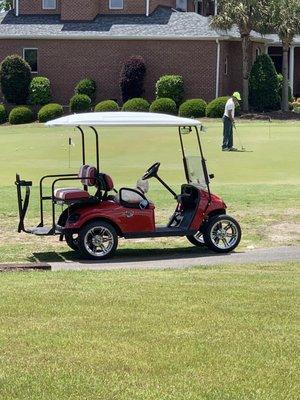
[[230, 106]]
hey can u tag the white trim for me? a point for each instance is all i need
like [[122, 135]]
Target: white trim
[[116, 8], [17, 8], [23, 56], [216, 7], [218, 68], [147, 8], [49, 8], [292, 68]]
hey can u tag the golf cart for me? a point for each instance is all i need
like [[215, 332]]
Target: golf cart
[[91, 222]]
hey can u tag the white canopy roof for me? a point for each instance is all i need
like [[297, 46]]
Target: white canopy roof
[[122, 119]]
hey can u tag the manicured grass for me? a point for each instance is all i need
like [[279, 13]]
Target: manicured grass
[[206, 333], [260, 187]]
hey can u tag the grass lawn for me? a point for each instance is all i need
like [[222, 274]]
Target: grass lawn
[[261, 186], [216, 333]]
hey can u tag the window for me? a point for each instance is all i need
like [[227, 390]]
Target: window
[[226, 66], [181, 5], [49, 4], [116, 4], [30, 55]]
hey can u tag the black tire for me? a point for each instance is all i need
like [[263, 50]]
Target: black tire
[[222, 234], [72, 240], [92, 238], [197, 239]]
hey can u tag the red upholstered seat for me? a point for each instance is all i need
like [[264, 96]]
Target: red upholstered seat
[[71, 194]]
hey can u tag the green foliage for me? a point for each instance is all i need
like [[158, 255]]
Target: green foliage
[[6, 5], [194, 108], [136, 104], [107, 105], [170, 86], [88, 87], [164, 106], [40, 91], [80, 103], [3, 114], [263, 85], [20, 115], [215, 109], [15, 78], [280, 87], [50, 111]]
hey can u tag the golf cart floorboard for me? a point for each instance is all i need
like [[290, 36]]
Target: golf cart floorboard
[[42, 231], [161, 232]]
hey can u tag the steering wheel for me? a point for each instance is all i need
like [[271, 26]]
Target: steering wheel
[[152, 171]]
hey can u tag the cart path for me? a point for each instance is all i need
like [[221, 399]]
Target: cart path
[[279, 254]]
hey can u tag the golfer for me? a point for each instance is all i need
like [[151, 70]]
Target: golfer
[[228, 122]]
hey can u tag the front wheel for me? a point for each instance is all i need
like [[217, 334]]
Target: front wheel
[[98, 240], [222, 234]]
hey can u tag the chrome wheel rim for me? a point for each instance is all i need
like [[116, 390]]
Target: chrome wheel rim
[[99, 241], [199, 237], [224, 234]]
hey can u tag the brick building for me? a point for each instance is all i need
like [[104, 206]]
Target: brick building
[[67, 40]]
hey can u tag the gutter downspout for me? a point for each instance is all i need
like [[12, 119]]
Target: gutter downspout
[[216, 7], [147, 8], [218, 68], [17, 8]]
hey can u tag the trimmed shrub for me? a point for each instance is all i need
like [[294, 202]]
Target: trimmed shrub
[[263, 85], [170, 86], [136, 104], [215, 109], [15, 78], [164, 106], [39, 91], [107, 105], [50, 111], [86, 86], [3, 114], [80, 103], [132, 78], [20, 115], [194, 108]]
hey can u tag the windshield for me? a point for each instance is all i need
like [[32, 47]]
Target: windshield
[[195, 170]]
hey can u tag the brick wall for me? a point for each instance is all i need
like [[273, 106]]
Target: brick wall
[[35, 7], [81, 10], [65, 62]]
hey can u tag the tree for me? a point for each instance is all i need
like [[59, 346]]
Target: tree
[[132, 78], [263, 85], [282, 17], [15, 78], [246, 15], [6, 5]]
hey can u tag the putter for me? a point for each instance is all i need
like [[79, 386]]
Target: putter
[[239, 139]]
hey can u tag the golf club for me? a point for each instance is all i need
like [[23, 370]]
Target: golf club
[[239, 139]]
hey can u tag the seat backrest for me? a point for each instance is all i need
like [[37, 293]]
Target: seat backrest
[[108, 182], [87, 174]]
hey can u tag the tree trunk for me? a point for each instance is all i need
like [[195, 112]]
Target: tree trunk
[[285, 72], [246, 53]]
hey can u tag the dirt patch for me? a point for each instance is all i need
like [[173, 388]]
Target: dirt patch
[[285, 232]]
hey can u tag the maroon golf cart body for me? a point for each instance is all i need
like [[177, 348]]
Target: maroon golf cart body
[[92, 223]]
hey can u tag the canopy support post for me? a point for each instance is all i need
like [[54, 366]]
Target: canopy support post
[[97, 148]]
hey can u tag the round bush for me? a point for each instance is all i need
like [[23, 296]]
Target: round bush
[[86, 86], [194, 108], [164, 106], [215, 109], [20, 115], [136, 104], [80, 103], [170, 86], [40, 91], [3, 114], [50, 111], [107, 105]]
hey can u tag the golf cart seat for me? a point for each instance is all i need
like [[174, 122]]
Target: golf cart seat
[[89, 177]]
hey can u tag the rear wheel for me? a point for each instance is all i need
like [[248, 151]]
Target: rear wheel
[[72, 240], [222, 234], [98, 240], [197, 239]]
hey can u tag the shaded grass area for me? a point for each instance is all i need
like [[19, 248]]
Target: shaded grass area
[[261, 187], [207, 333]]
